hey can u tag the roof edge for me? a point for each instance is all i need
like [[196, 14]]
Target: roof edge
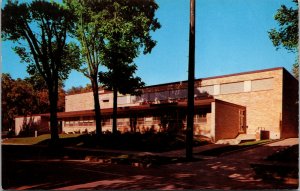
[[220, 76]]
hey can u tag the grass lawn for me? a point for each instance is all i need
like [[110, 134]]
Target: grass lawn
[[34, 140], [152, 142]]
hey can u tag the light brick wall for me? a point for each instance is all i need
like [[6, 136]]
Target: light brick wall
[[263, 107], [85, 101], [80, 102], [263, 100]]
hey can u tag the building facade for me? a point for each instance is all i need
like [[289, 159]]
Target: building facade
[[259, 103]]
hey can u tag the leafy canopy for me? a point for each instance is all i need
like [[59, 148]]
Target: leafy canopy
[[286, 35], [40, 30], [127, 31], [87, 31]]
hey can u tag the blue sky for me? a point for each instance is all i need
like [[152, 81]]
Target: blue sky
[[231, 37]]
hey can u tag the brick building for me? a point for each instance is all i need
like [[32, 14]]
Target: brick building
[[259, 104]]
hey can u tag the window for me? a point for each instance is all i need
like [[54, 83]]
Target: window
[[152, 96], [148, 118], [263, 84], [230, 88], [122, 100], [206, 89], [140, 121], [123, 122], [106, 121], [163, 95], [242, 116], [133, 99], [180, 93], [143, 97]]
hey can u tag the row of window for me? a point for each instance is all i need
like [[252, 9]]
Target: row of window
[[75, 122], [228, 88]]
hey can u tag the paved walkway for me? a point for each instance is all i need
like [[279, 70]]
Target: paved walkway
[[175, 153]]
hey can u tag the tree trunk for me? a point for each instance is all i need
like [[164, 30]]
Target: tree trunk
[[95, 88], [53, 97], [115, 107]]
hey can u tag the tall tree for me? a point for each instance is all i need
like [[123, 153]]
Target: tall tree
[[88, 33], [104, 28], [121, 79], [41, 28], [286, 35], [126, 27]]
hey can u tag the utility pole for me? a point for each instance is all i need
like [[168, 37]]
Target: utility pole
[[191, 78]]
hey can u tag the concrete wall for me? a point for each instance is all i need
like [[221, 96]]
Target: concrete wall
[[39, 121], [227, 120]]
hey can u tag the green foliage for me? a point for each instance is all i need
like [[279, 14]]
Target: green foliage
[[286, 35], [41, 28], [125, 80], [80, 89], [112, 34], [126, 28], [17, 99], [296, 68], [87, 31]]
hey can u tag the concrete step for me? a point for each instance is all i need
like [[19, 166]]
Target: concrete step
[[237, 140], [228, 141], [246, 137]]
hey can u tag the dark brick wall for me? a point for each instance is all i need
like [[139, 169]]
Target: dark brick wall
[[227, 120], [290, 106]]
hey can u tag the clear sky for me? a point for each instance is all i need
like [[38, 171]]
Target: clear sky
[[231, 37]]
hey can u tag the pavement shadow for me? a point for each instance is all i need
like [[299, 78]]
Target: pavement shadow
[[29, 168]]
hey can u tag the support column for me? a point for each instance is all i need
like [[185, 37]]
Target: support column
[[213, 122]]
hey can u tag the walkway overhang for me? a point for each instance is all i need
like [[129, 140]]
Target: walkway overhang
[[140, 109]]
